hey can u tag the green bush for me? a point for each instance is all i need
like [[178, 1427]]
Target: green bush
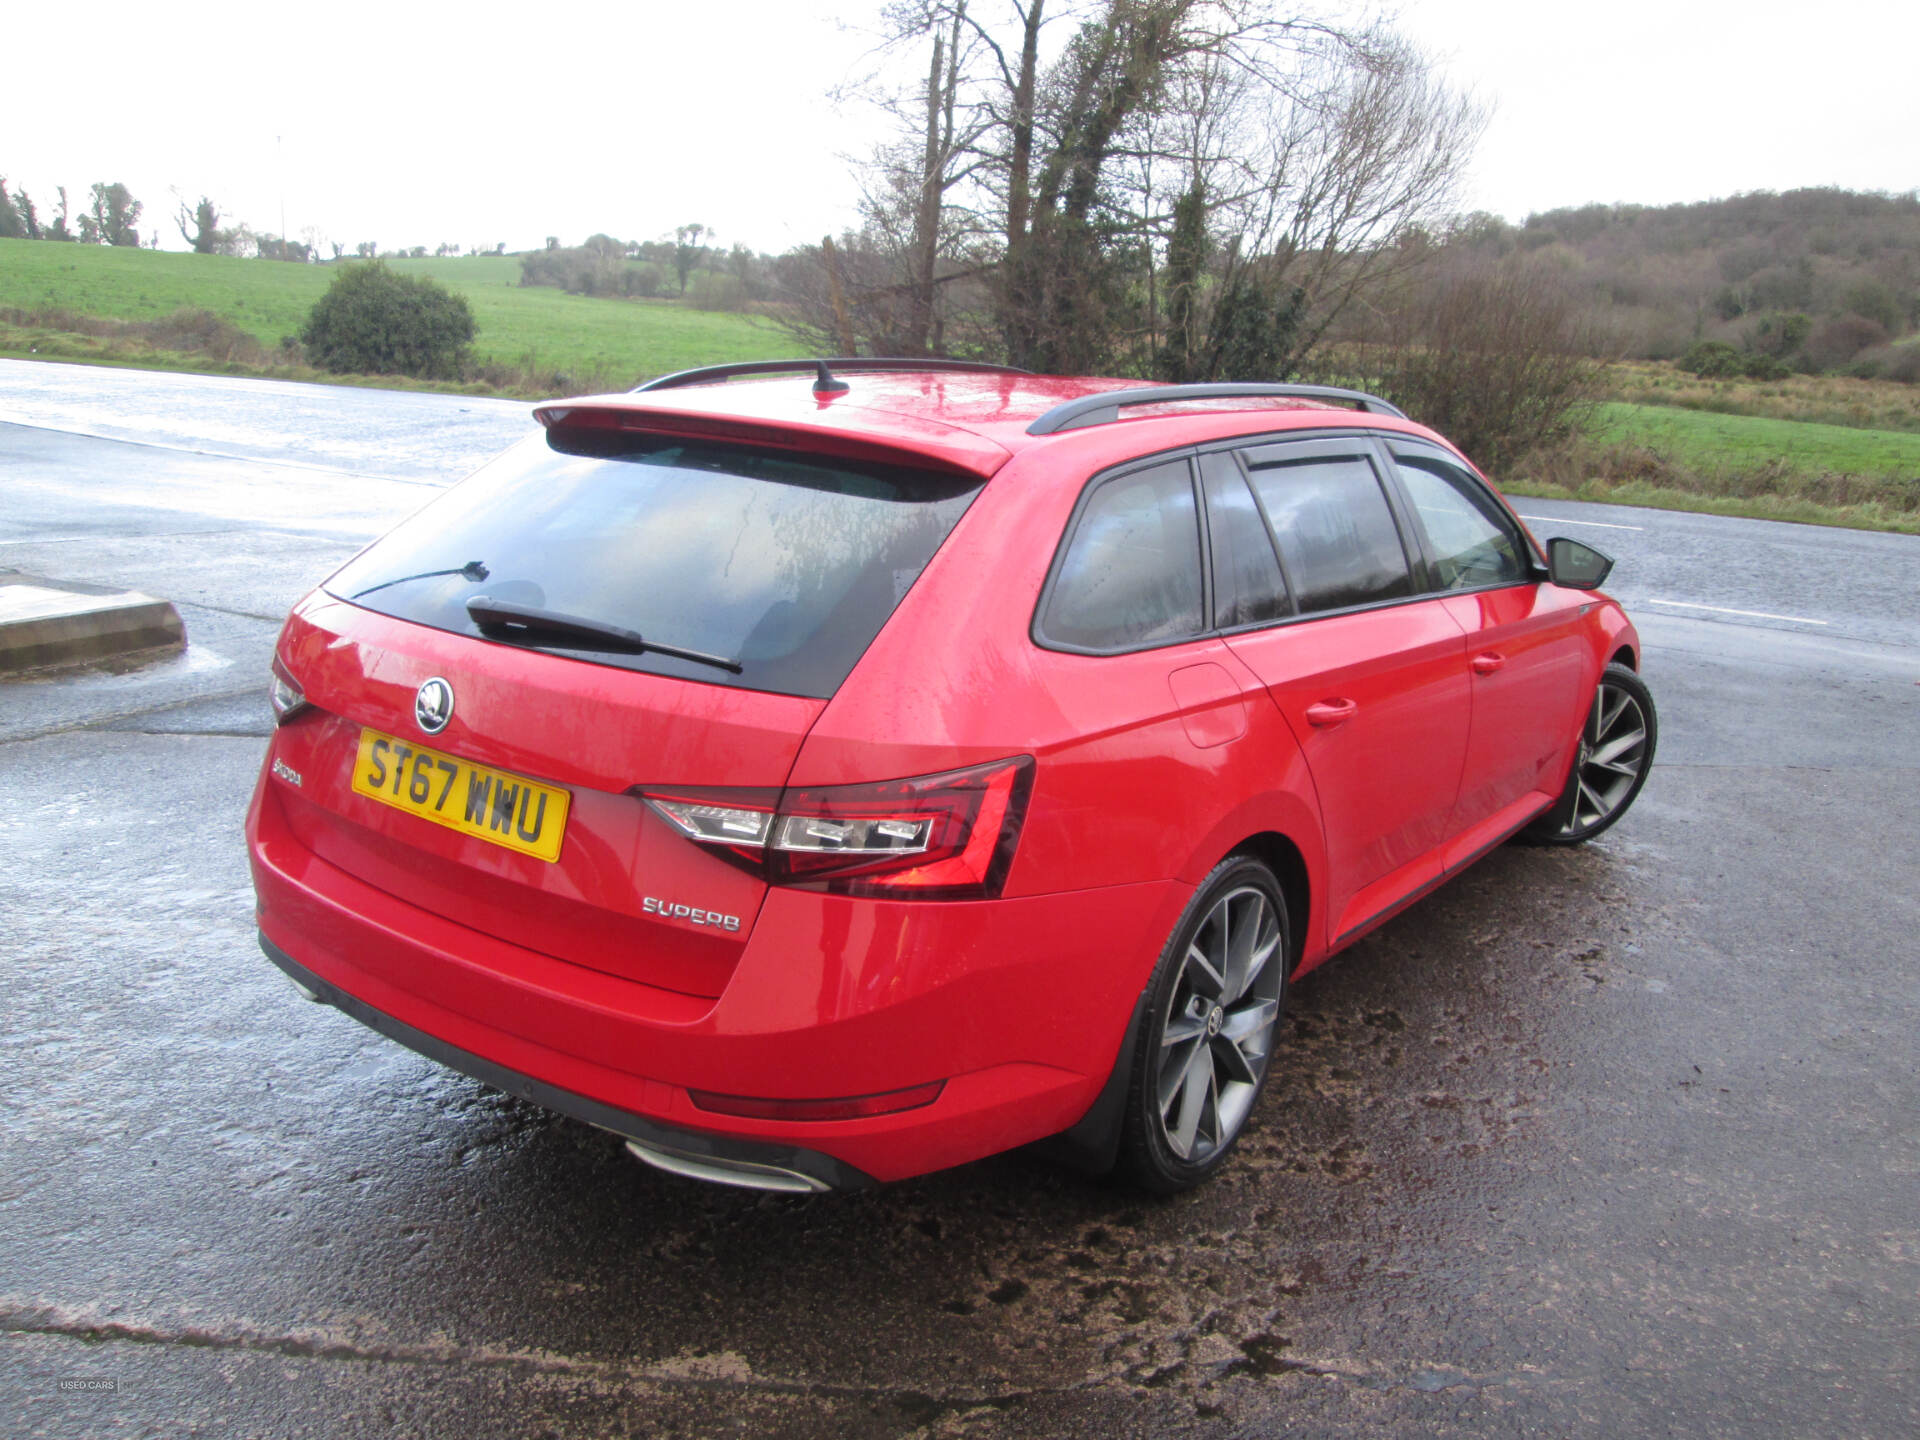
[[1717, 360], [1876, 301], [1780, 334], [643, 280], [1711, 360], [714, 290], [373, 321]]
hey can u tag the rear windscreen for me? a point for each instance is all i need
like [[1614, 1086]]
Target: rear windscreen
[[785, 563]]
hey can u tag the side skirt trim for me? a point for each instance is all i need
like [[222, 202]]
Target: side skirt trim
[[1375, 921]]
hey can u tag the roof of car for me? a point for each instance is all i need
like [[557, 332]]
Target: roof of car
[[970, 420]]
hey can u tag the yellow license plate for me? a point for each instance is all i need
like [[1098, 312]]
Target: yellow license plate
[[477, 800]]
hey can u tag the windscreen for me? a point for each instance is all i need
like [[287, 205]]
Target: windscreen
[[784, 563]]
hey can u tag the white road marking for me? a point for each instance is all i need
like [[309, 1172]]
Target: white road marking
[[1751, 614], [1562, 520]]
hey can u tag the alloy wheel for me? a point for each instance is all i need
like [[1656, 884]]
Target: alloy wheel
[[1613, 755], [1217, 1033]]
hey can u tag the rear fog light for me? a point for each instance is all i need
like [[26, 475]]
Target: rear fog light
[[859, 1107]]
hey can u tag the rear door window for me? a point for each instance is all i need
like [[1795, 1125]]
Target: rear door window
[[1337, 535], [787, 563], [1130, 576]]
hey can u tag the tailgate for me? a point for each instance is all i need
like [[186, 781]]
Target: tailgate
[[623, 893]]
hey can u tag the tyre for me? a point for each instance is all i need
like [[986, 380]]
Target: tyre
[[1207, 1032], [1613, 761]]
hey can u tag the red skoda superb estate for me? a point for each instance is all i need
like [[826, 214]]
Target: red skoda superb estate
[[819, 776]]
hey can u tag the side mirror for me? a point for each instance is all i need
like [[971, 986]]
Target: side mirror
[[1576, 566]]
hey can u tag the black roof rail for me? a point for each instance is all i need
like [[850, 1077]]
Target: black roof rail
[[1104, 409], [707, 374]]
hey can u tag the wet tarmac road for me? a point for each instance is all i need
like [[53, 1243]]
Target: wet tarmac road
[[1618, 1141]]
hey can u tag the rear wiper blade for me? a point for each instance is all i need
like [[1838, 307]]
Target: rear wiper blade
[[472, 570], [491, 614]]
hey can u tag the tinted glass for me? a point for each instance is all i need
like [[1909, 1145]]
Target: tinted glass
[[788, 563], [1248, 587], [1336, 533], [1131, 575], [1470, 541]]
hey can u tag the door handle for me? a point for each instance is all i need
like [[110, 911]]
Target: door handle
[[1323, 713], [1487, 662]]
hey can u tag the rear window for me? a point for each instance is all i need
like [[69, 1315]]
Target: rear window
[[1131, 574], [786, 563]]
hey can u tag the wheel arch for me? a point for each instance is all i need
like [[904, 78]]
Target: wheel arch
[[1281, 826], [1093, 1144]]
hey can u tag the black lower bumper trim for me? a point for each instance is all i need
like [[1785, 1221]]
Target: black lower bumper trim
[[835, 1174]]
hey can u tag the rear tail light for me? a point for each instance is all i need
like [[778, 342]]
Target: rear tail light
[[286, 696], [933, 837]]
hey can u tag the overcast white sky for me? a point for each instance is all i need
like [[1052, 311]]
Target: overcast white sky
[[410, 124]]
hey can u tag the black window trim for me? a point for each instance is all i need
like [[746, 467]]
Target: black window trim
[[1336, 439], [1214, 627]]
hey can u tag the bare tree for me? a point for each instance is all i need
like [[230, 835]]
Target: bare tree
[[1190, 187], [1358, 149], [1495, 351], [58, 228]]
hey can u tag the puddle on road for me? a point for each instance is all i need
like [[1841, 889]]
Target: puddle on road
[[166, 662]]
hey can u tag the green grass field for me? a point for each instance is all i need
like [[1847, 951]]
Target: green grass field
[[538, 329], [1824, 399], [1706, 440]]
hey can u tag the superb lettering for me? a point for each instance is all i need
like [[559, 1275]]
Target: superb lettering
[[668, 910]]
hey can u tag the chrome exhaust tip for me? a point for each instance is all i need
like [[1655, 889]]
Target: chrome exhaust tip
[[744, 1173]]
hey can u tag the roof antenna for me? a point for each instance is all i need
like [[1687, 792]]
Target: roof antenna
[[824, 383]]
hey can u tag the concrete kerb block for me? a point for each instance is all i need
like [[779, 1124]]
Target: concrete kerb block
[[59, 622]]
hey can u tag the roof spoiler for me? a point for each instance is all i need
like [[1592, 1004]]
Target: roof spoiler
[[604, 424], [823, 370]]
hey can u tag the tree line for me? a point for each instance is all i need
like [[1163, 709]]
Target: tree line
[[110, 219], [113, 215], [1759, 284], [684, 265]]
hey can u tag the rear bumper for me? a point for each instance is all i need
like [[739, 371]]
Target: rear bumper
[[718, 1151], [1018, 1006]]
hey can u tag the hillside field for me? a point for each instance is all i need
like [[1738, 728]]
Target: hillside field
[[537, 329], [1772, 469], [1703, 438]]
